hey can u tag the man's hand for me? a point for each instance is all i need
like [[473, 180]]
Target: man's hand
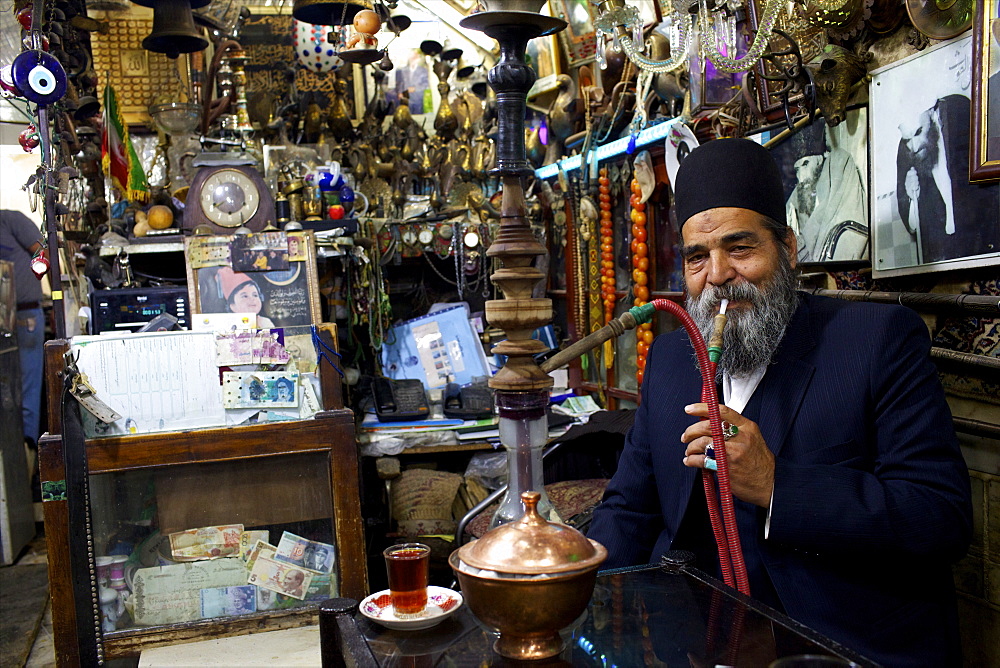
[[751, 463]]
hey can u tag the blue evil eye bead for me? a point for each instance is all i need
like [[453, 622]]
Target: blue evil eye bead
[[39, 76], [630, 149]]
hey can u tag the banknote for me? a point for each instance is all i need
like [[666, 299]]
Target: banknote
[[226, 601], [260, 549], [172, 594], [321, 588], [270, 600], [248, 540], [280, 577], [306, 553], [260, 389], [206, 542], [233, 348]]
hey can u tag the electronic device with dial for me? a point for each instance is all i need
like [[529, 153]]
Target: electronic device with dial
[[228, 196]]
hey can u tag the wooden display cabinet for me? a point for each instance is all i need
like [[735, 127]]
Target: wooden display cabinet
[[269, 474]]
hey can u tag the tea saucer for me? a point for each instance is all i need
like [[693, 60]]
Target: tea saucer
[[441, 604]]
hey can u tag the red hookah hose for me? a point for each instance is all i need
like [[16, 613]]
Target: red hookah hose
[[727, 536], [708, 481]]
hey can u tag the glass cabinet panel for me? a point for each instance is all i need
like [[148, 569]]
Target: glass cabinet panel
[[188, 542]]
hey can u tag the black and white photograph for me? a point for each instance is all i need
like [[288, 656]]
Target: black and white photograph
[[926, 215], [825, 172]]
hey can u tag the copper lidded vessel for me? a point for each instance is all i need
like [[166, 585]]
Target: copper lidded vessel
[[528, 579]]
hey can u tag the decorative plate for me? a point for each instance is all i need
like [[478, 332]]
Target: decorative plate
[[441, 604]]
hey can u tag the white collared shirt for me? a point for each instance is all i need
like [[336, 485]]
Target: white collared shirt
[[736, 393]]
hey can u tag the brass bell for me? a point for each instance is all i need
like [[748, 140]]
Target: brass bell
[[174, 31], [327, 12]]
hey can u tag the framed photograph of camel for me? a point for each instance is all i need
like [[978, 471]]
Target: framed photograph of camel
[[984, 158], [926, 216]]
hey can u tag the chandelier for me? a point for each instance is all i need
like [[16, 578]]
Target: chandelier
[[715, 27]]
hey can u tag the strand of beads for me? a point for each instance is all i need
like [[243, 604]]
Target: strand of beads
[[607, 247], [640, 277], [607, 261]]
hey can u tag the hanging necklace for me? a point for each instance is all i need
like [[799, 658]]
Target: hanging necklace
[[607, 259], [640, 277], [579, 270]]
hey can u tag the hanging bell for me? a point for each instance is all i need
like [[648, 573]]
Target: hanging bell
[[398, 23], [328, 13], [385, 64], [174, 31]]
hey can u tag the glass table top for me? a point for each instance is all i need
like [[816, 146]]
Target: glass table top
[[644, 616]]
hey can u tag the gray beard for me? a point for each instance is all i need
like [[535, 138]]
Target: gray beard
[[751, 336]]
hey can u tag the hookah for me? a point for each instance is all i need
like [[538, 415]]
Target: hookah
[[521, 386]]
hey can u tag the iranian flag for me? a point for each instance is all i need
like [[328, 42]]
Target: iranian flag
[[118, 156]]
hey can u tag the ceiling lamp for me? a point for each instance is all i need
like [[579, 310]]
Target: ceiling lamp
[[716, 29]]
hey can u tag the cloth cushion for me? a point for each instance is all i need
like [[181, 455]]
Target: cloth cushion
[[570, 498]]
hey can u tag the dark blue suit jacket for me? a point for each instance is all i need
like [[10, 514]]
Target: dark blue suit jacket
[[871, 499]]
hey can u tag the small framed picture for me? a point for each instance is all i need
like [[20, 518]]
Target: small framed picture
[[577, 39], [825, 172], [984, 159], [283, 298], [926, 215]]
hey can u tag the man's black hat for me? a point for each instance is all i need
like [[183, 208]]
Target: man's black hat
[[729, 172]]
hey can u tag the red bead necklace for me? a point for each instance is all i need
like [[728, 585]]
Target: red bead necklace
[[607, 247]]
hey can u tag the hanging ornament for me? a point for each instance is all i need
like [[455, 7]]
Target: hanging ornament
[[313, 48], [24, 17], [7, 86], [640, 277], [39, 76], [28, 138], [28, 43], [607, 260], [362, 47], [607, 247]]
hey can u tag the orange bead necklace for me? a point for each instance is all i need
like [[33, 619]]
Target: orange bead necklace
[[607, 247], [640, 277]]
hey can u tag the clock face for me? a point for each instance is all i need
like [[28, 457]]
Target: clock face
[[425, 237], [229, 198]]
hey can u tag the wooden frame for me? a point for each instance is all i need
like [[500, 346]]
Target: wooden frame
[[330, 433], [544, 53], [709, 88], [577, 39], [811, 40], [984, 155], [825, 174], [925, 215], [283, 292]]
